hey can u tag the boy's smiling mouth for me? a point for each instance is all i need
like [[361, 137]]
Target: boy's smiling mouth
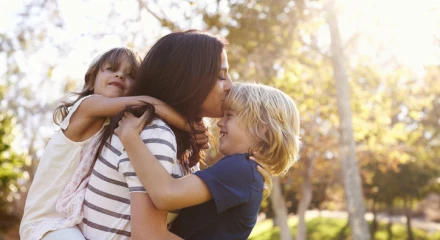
[[223, 133]]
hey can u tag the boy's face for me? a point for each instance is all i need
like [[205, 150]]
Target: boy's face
[[233, 139], [112, 83]]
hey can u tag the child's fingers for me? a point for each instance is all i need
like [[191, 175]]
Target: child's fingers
[[144, 118], [200, 126], [200, 136], [264, 173], [267, 188], [206, 146], [202, 141]]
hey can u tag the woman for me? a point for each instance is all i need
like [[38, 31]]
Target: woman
[[189, 71]]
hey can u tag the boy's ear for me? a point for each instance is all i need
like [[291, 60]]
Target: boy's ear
[[264, 129]]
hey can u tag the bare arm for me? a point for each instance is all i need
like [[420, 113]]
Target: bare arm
[[166, 192], [100, 106], [147, 222]]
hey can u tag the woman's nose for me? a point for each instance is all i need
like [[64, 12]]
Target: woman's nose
[[228, 84]]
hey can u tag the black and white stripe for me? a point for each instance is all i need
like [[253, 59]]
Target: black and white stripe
[[107, 201]]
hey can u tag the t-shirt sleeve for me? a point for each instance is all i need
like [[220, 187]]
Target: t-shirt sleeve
[[162, 143], [229, 180]]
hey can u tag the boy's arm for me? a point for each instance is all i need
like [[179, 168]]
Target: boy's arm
[[166, 192], [147, 222]]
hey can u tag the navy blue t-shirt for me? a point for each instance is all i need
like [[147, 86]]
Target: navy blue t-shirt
[[237, 190]]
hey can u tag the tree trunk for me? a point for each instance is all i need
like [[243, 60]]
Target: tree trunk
[[374, 223], [279, 209], [350, 171], [306, 198], [390, 222], [408, 215]]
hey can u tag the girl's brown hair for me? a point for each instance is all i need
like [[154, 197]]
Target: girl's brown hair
[[114, 57]]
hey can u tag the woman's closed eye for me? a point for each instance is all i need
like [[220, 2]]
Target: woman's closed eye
[[222, 75]]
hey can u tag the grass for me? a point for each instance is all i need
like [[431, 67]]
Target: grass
[[335, 229]]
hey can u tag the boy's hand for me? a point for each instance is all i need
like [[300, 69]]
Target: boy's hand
[[129, 125]]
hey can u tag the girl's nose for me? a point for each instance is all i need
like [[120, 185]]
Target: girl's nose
[[120, 75]]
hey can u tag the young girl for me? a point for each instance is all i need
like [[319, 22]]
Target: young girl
[[54, 202], [223, 200]]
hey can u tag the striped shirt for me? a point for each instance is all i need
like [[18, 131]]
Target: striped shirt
[[107, 199]]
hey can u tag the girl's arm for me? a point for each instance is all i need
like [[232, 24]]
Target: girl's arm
[[100, 106], [147, 222], [166, 192]]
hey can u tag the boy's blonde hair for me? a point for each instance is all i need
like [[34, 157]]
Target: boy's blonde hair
[[271, 118]]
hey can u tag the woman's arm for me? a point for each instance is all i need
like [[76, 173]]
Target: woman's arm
[[166, 192], [147, 222]]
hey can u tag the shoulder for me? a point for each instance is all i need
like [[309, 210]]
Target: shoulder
[[233, 166], [236, 160], [158, 129]]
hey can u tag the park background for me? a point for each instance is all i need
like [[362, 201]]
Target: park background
[[365, 76]]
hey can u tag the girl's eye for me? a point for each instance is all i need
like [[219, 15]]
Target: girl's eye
[[109, 68]]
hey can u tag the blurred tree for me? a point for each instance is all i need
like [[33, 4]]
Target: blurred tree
[[350, 169], [10, 164]]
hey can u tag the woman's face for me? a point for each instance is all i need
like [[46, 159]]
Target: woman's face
[[212, 106]]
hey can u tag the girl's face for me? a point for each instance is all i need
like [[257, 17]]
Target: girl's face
[[110, 82], [233, 139], [212, 106]]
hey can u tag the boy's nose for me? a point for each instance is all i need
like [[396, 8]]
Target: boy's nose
[[220, 123]]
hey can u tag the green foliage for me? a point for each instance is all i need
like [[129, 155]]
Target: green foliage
[[10, 163], [335, 229]]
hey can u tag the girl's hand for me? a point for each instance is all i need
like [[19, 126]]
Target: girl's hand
[[130, 124], [200, 135], [267, 189]]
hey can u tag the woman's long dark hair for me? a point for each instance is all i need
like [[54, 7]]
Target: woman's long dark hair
[[180, 69]]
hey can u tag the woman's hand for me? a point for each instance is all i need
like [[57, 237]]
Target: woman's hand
[[130, 124]]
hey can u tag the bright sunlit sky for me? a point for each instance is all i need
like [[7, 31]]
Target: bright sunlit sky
[[404, 29]]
